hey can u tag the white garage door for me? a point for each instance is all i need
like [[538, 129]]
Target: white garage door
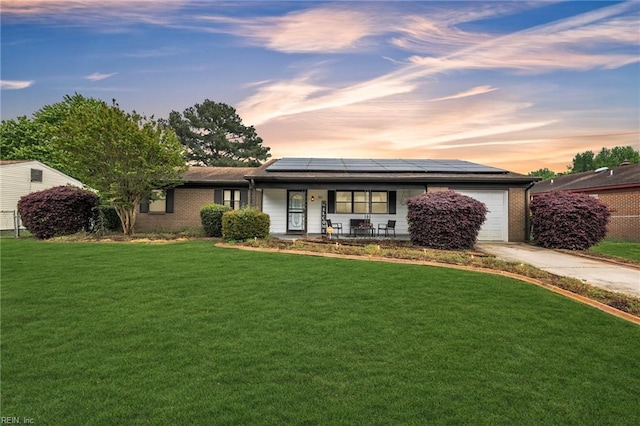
[[495, 227]]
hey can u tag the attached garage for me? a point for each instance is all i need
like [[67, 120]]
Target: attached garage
[[495, 228]]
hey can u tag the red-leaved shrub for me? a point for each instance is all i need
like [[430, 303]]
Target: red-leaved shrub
[[62, 210], [445, 220], [568, 220]]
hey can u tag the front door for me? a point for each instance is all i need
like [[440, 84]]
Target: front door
[[296, 211]]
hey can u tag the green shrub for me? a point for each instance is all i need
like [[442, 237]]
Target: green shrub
[[243, 224], [211, 217], [107, 219]]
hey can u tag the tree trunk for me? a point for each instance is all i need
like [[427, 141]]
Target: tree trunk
[[128, 218]]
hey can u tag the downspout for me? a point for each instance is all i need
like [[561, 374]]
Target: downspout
[[252, 191], [527, 220]]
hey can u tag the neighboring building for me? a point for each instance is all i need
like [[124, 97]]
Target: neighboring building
[[617, 187], [300, 194], [180, 207], [21, 177]]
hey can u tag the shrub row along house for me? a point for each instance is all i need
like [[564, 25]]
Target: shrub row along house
[[302, 194], [617, 187]]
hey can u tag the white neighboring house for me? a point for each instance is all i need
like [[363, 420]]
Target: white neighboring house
[[21, 177]]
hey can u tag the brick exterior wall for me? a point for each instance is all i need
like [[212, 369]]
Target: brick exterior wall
[[187, 204], [624, 205], [517, 215]]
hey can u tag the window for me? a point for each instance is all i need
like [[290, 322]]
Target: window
[[234, 198], [36, 175], [164, 204], [379, 202], [362, 202], [343, 201], [160, 204], [231, 198]]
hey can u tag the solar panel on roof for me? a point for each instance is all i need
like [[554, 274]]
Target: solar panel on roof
[[361, 165]]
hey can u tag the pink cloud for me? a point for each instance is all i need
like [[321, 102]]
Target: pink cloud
[[15, 84]]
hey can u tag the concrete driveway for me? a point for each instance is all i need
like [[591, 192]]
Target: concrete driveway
[[602, 274]]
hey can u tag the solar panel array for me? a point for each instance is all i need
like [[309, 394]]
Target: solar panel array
[[357, 165]]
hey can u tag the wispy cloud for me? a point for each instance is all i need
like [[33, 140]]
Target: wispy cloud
[[15, 84], [582, 42], [113, 15], [438, 33], [152, 53], [256, 83], [97, 76], [110, 89], [345, 27], [565, 44], [480, 90], [324, 29], [298, 96]]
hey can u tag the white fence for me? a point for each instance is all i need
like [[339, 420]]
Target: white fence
[[10, 221]]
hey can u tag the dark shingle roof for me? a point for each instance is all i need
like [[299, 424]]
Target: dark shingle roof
[[614, 177], [217, 175]]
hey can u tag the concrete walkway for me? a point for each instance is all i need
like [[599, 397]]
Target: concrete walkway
[[602, 274]]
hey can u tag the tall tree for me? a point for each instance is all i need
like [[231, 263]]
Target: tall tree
[[213, 135], [123, 156], [31, 138], [582, 162], [544, 173], [606, 157], [616, 155]]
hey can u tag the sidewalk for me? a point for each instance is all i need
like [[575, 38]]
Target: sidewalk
[[602, 274]]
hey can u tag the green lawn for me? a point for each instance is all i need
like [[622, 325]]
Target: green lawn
[[624, 249], [186, 333]]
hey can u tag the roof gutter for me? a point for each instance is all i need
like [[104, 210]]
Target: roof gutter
[[593, 188], [384, 179]]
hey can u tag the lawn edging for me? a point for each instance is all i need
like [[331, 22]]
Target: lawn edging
[[582, 299], [602, 258]]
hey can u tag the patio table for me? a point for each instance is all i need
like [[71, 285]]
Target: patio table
[[365, 230]]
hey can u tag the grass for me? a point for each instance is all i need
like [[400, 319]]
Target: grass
[[406, 251], [624, 249], [189, 333]]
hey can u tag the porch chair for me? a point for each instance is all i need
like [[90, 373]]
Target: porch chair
[[337, 227], [386, 227]]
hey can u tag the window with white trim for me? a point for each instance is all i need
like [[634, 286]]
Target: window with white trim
[[364, 202], [231, 198]]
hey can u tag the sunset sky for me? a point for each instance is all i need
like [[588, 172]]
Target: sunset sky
[[516, 85]]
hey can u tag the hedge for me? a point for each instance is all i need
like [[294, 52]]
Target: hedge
[[62, 210], [445, 220], [238, 225], [568, 220], [211, 218]]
